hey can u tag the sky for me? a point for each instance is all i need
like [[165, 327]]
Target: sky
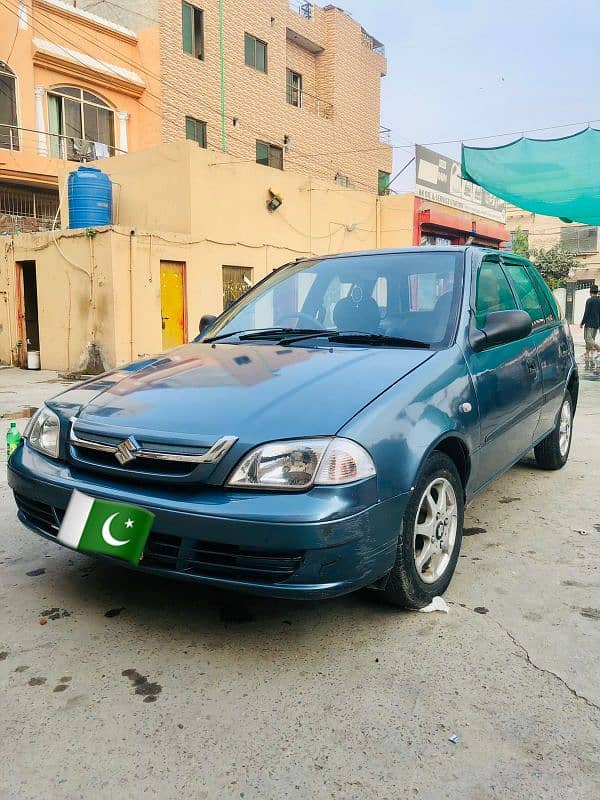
[[459, 69]]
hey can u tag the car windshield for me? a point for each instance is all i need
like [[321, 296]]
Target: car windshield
[[406, 296]]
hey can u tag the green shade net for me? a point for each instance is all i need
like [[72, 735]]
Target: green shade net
[[555, 177]]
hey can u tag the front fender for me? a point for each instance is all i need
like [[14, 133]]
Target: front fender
[[403, 425]]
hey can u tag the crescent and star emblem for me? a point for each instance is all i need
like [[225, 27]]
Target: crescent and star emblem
[[107, 535]]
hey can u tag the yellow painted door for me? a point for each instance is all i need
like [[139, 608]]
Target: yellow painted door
[[172, 303]]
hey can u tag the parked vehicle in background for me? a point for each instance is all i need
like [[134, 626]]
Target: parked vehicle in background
[[325, 432]]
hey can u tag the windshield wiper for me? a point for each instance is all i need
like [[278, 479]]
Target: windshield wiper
[[361, 337], [249, 333], [277, 333]]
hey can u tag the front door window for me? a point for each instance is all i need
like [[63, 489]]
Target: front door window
[[493, 292]]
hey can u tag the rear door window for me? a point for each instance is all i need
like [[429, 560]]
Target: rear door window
[[493, 292], [548, 300], [526, 292]]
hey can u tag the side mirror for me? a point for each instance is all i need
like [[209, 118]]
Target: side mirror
[[206, 321], [501, 327]]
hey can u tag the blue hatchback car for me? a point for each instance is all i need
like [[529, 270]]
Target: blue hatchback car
[[325, 432]]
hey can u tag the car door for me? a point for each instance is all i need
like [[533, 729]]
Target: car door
[[555, 352], [507, 380]]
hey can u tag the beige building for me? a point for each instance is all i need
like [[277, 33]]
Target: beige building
[[94, 298], [294, 85], [297, 88], [544, 233]]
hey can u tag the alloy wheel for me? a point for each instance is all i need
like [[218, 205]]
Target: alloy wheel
[[435, 530], [564, 430]]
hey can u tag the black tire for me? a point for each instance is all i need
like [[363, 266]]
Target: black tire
[[405, 586], [548, 453]]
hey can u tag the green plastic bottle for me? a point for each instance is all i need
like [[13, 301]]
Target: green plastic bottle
[[13, 439]]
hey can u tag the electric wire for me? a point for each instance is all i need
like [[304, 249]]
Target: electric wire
[[409, 144], [325, 169], [299, 156]]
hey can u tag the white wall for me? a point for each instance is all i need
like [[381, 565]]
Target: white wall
[[581, 295]]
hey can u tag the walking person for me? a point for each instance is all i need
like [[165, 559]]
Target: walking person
[[590, 324]]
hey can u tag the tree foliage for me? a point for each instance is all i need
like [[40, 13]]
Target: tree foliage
[[520, 243], [554, 265]]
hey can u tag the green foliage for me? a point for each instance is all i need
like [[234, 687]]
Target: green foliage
[[554, 265], [520, 243]]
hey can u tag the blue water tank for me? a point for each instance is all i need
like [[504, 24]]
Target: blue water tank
[[90, 198]]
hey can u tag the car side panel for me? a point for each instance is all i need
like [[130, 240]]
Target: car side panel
[[403, 425], [509, 390], [556, 357]]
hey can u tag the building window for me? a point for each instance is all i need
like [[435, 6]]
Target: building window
[[236, 282], [195, 130], [255, 52], [192, 28], [269, 154], [344, 181], [294, 88], [82, 125], [383, 182], [579, 240], [9, 134]]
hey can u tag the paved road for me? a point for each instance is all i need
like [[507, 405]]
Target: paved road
[[341, 699]]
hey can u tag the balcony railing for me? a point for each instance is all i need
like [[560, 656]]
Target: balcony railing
[[23, 210], [53, 145], [309, 102], [385, 135], [305, 10], [372, 43]]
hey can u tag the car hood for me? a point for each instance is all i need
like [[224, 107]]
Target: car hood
[[256, 392]]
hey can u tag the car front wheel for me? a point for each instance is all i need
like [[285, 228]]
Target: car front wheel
[[553, 451], [430, 536]]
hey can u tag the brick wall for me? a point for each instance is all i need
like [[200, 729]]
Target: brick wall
[[137, 15], [13, 224], [346, 73]]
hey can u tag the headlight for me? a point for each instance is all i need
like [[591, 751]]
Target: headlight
[[303, 463], [43, 432]]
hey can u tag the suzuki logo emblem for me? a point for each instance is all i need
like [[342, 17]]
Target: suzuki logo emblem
[[127, 450]]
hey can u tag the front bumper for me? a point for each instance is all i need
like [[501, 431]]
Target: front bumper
[[325, 542]]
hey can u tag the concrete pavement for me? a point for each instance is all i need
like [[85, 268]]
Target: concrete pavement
[[343, 699]]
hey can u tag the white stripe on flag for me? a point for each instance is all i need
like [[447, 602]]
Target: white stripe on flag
[[75, 518]]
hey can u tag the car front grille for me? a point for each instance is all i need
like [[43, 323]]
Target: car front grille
[[167, 553], [145, 459], [95, 460], [44, 516]]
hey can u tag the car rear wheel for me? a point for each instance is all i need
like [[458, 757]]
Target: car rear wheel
[[553, 451], [430, 536]]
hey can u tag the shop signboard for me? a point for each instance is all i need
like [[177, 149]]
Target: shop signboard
[[438, 179]]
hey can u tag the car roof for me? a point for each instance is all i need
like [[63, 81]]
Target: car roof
[[399, 250]]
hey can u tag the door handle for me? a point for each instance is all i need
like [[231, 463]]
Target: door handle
[[532, 367], [563, 349]]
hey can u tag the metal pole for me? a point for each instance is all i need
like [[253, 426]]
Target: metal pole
[[397, 175], [222, 56]]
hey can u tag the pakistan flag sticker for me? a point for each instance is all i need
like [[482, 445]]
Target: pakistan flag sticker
[[100, 526]]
